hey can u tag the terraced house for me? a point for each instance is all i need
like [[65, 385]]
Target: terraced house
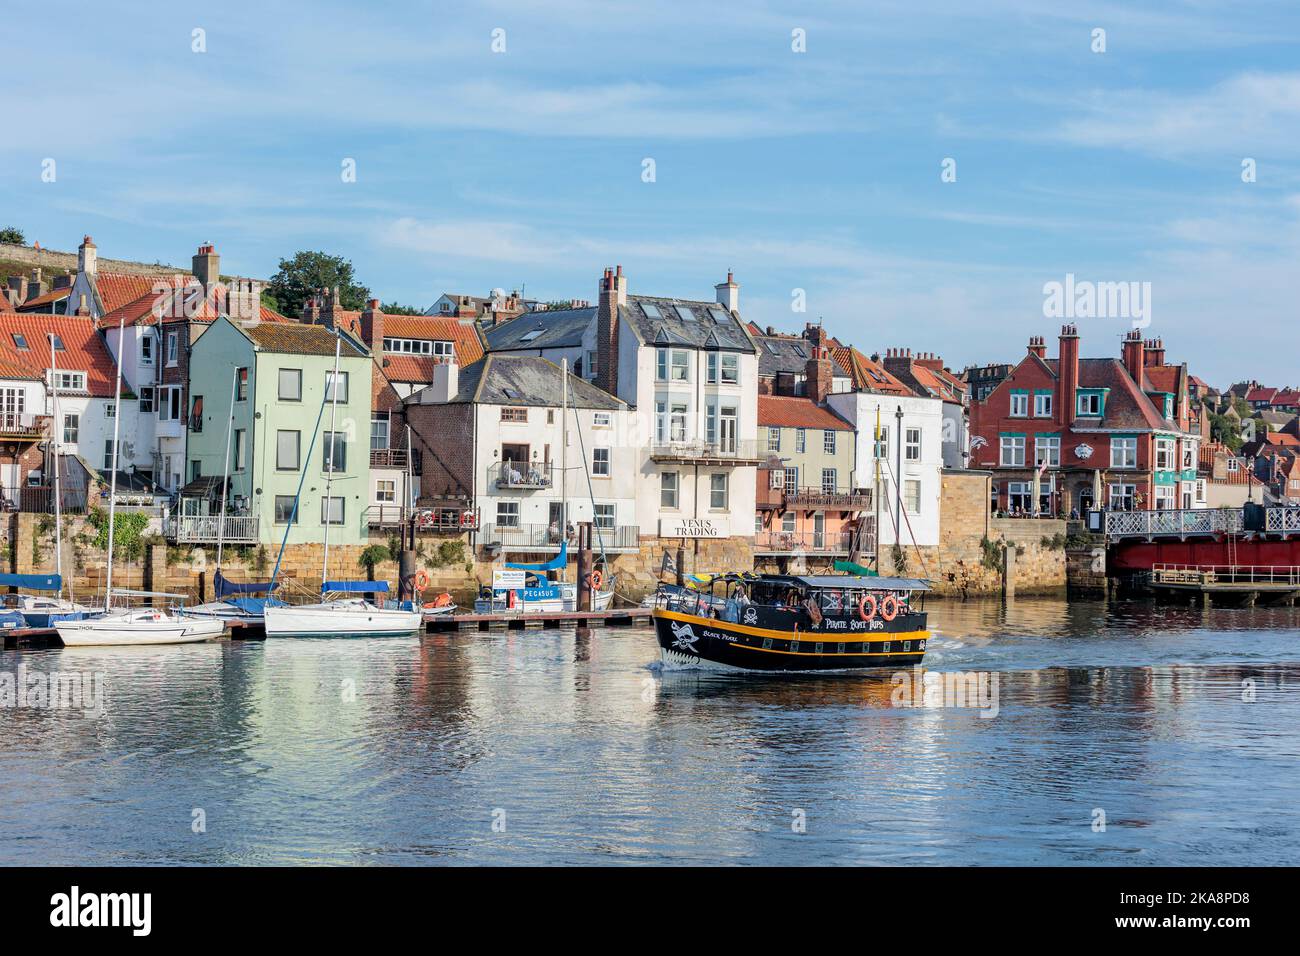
[[1071, 434]]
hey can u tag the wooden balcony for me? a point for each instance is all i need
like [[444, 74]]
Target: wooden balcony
[[24, 426]]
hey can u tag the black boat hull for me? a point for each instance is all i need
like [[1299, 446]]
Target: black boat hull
[[689, 640]]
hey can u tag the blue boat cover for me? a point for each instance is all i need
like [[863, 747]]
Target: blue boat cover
[[255, 605], [561, 560], [34, 582], [355, 587], [222, 587]]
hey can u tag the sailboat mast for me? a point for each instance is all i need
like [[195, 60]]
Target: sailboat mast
[[58, 494], [875, 452], [333, 453], [112, 481], [564, 454], [225, 472]]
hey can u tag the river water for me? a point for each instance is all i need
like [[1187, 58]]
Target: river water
[[1122, 733]]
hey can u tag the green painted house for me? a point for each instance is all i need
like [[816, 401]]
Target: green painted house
[[279, 374]]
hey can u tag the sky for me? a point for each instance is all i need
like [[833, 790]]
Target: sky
[[808, 147]]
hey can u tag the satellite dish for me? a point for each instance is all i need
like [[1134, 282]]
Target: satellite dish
[[498, 293]]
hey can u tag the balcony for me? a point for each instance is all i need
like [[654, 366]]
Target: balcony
[[206, 529], [395, 458], [24, 425], [709, 453], [437, 520], [170, 428], [808, 542], [829, 498], [546, 539], [529, 476]]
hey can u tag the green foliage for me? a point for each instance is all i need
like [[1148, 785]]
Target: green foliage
[[991, 557], [899, 555], [13, 234], [1078, 539], [371, 556], [392, 308], [128, 533], [260, 559], [1226, 430], [449, 553], [306, 273], [1053, 542]]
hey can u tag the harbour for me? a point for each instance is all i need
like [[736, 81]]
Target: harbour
[[576, 746]]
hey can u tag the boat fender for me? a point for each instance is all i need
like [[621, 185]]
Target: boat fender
[[442, 600], [889, 607], [866, 607]]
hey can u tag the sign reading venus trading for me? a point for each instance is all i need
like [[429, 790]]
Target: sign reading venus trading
[[690, 528]]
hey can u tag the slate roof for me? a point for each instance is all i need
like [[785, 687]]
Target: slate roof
[[559, 328], [660, 321], [789, 353], [499, 379], [781, 411], [1127, 406]]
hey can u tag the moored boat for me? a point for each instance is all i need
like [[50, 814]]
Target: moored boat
[[340, 616], [783, 622], [137, 627]]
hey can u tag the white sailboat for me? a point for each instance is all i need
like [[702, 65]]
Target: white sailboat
[[131, 626], [338, 615]]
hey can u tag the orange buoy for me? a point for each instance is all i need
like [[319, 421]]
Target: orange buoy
[[889, 607], [863, 613]]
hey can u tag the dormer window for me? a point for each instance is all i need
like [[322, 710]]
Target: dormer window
[[1089, 405], [20, 341], [70, 381]]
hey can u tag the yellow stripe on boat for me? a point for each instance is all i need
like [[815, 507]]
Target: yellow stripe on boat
[[826, 637]]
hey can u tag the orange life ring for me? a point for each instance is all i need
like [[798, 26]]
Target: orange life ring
[[595, 579], [421, 579], [889, 607], [862, 606]]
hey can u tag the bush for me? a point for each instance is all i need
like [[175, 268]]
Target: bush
[[128, 533]]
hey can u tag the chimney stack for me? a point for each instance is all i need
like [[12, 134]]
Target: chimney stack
[[206, 266], [613, 293], [1067, 376], [818, 371], [728, 293], [443, 385], [1154, 352], [36, 287], [87, 256], [17, 290], [372, 327], [1134, 355], [1038, 346]]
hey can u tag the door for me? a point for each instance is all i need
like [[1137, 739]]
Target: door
[[819, 532], [727, 430], [555, 523]]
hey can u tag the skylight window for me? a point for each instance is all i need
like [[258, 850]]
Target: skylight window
[[771, 347], [58, 343], [529, 336], [686, 314], [651, 310], [718, 315], [798, 350], [20, 340]]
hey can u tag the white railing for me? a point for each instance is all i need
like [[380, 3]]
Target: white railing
[[810, 542], [1219, 574], [541, 537], [1282, 519], [1145, 524], [206, 529]]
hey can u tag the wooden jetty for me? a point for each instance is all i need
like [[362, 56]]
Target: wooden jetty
[[39, 637], [1243, 584]]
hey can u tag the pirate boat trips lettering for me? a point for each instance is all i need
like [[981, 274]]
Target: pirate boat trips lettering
[[780, 622]]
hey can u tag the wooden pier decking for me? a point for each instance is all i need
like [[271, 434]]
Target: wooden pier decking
[[39, 637], [1246, 584]]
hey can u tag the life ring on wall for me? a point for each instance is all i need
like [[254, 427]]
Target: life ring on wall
[[421, 579], [595, 579], [863, 613], [889, 607]]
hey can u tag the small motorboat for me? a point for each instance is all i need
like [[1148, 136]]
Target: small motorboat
[[783, 622], [440, 607], [136, 627], [340, 616]]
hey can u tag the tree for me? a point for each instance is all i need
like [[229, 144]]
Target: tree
[[372, 555], [392, 308], [308, 272], [13, 234]]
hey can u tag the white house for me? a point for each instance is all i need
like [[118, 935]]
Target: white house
[[494, 432], [921, 429]]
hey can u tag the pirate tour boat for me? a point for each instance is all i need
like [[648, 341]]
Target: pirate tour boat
[[785, 622]]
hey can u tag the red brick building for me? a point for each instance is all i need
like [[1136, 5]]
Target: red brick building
[[1057, 430]]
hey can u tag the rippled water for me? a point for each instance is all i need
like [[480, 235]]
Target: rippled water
[[408, 750]]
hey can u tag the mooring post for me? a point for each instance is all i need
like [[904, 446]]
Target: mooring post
[[584, 566]]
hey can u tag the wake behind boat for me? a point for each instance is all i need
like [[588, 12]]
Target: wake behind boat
[[781, 622], [340, 616]]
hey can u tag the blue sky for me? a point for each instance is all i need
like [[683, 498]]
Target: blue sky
[[817, 171]]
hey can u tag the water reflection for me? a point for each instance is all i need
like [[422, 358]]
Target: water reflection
[[1177, 723]]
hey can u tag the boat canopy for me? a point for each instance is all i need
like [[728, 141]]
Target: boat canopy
[[561, 560], [841, 581], [33, 582], [355, 587], [223, 587]]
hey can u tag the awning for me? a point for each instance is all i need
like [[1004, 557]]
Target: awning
[[355, 587], [208, 486], [561, 560]]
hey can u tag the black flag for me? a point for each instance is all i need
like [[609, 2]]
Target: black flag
[[669, 566]]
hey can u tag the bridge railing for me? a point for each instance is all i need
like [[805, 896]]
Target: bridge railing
[[1146, 524], [1221, 574], [1282, 519]]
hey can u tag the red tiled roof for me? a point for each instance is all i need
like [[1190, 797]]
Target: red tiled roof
[[54, 295], [1163, 378], [791, 412], [1261, 394], [407, 368], [4, 302], [866, 373], [117, 289], [84, 349]]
